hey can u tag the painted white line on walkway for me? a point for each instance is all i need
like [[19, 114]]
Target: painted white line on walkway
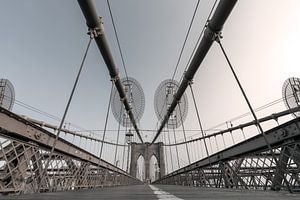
[[162, 194]]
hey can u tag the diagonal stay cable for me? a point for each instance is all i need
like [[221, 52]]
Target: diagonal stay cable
[[64, 116], [182, 49], [117, 38], [198, 40], [186, 37], [258, 125], [120, 50], [106, 119]]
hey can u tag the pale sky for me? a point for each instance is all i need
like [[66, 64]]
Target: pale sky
[[42, 44]]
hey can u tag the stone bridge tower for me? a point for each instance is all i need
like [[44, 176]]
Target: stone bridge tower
[[147, 151]]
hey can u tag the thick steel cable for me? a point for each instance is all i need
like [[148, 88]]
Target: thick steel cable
[[106, 119], [128, 150], [64, 115], [241, 126], [123, 158], [198, 40], [199, 121], [184, 135], [166, 153], [118, 137], [183, 46], [186, 37], [176, 148], [66, 131], [119, 47], [170, 150], [258, 125], [117, 38]]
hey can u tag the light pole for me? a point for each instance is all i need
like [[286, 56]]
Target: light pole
[[128, 137]]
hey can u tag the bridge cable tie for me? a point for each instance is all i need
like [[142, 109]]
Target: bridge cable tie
[[218, 38], [64, 116]]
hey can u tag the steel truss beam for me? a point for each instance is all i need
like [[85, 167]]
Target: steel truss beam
[[24, 148], [248, 164]]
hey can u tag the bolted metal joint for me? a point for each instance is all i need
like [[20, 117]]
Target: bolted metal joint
[[129, 110], [123, 99], [217, 36], [115, 78], [190, 82], [96, 31]]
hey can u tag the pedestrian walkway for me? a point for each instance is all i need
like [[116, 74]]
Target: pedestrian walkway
[[168, 192]]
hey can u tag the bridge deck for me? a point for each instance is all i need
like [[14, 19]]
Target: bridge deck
[[161, 192]]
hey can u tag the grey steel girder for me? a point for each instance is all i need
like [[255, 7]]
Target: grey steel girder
[[288, 132], [16, 127]]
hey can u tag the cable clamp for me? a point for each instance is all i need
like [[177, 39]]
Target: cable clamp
[[190, 82], [206, 23], [217, 36], [123, 99], [274, 116], [96, 31], [129, 110], [115, 78]]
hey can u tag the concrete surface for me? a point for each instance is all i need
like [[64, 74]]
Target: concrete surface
[[144, 192]]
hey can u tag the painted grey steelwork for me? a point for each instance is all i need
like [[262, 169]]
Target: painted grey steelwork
[[147, 151], [24, 149], [67, 131], [274, 116], [213, 28], [96, 30], [248, 164]]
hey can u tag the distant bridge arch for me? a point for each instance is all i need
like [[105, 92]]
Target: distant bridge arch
[[147, 150]]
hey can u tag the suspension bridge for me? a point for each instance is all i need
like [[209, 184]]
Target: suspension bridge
[[258, 158]]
